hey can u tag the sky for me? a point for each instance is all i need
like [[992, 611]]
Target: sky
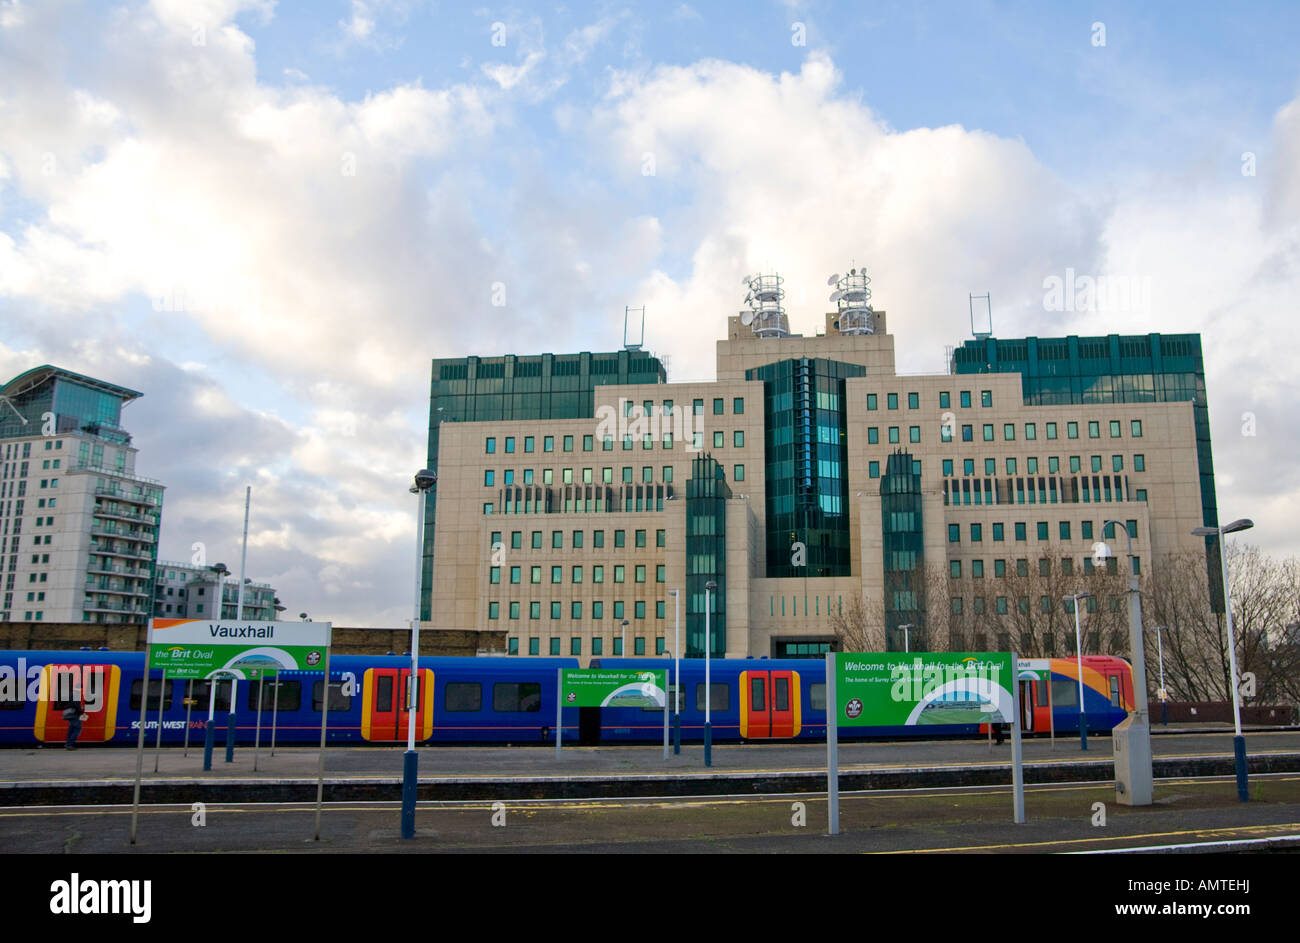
[[269, 217]]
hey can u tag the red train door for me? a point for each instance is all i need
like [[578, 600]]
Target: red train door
[[95, 687], [385, 715], [769, 705]]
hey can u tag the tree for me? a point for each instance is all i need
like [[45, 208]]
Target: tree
[[858, 626]]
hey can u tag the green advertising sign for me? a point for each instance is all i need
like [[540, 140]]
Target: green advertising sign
[[612, 687], [195, 648], [898, 689]]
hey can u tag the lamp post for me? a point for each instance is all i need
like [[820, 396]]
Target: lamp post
[[907, 638], [209, 733], [677, 673], [424, 480], [709, 587], [1078, 651], [1164, 695], [1238, 741], [622, 645]]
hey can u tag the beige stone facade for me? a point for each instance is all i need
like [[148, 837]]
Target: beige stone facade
[[560, 578]]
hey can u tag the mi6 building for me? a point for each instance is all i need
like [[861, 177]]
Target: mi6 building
[[584, 505]]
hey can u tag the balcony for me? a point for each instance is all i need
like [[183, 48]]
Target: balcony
[[123, 515]]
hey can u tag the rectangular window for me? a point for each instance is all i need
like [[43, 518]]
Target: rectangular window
[[1117, 463], [737, 472], [1094, 429], [873, 469], [491, 445], [557, 540], [738, 438], [965, 399], [1031, 431], [598, 573], [717, 406], [891, 400], [954, 569], [640, 573], [1009, 431], [988, 432], [998, 532], [990, 466], [339, 702], [555, 614], [738, 406], [999, 568], [873, 435], [718, 438], [464, 697], [913, 400], [954, 533], [1096, 463], [548, 443], [1135, 428], [510, 443], [1011, 466], [588, 443], [893, 435], [1020, 531], [871, 401], [1051, 430], [967, 433], [968, 466], [528, 447], [1139, 463], [1064, 530], [620, 538], [618, 573], [947, 467], [557, 574], [598, 538], [575, 612], [537, 540], [1114, 429], [986, 397], [914, 433], [517, 697], [1072, 430], [719, 697], [1042, 530], [976, 533], [977, 569], [577, 539]]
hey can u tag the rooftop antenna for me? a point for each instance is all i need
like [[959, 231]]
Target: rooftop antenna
[[852, 297], [627, 311], [987, 319], [765, 317]]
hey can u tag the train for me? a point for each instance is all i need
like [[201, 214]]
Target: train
[[484, 700]]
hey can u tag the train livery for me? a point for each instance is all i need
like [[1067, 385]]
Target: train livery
[[483, 700]]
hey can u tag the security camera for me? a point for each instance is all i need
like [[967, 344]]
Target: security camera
[[1101, 553]]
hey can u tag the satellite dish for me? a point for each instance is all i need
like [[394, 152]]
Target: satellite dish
[[747, 318], [853, 271], [836, 295], [832, 280], [746, 280]]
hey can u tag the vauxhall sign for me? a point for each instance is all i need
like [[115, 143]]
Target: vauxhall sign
[[199, 648]]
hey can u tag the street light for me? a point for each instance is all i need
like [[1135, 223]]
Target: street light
[[622, 645], [907, 639], [1078, 651], [677, 673], [209, 734], [1238, 741], [424, 480], [709, 587]]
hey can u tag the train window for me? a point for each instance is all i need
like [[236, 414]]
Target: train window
[[516, 697], [817, 696], [290, 695], [154, 684], [1065, 694], [719, 697], [756, 691], [1042, 693], [383, 694], [1114, 690], [202, 691], [339, 702], [460, 697], [781, 694]]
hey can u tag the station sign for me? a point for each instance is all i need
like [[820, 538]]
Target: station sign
[[610, 687], [1034, 669], [897, 689], [202, 648]]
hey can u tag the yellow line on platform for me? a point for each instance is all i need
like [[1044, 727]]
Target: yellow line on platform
[[1200, 832]]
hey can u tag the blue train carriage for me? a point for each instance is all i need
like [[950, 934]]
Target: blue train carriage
[[467, 700], [1107, 695]]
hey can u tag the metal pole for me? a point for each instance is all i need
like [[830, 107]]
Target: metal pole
[[157, 747], [832, 750], [1051, 708], [243, 556], [411, 760], [1238, 741], [1017, 757], [324, 720], [708, 691], [230, 720], [1164, 695], [1078, 652], [139, 742], [665, 714], [677, 672], [559, 707], [209, 734], [189, 706], [275, 707], [257, 735]]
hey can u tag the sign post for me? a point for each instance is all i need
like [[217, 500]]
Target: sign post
[[610, 687], [186, 649], [905, 689]]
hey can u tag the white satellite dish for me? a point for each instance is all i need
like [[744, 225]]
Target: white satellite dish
[[832, 280], [836, 295], [746, 280], [747, 318]]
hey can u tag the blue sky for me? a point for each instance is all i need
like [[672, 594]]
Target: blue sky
[[202, 147]]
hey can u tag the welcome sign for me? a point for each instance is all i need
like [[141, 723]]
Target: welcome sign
[[898, 689], [201, 648]]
